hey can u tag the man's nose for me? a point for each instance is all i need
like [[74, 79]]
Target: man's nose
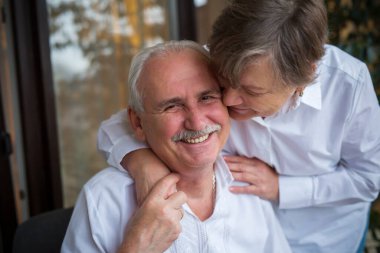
[[194, 119], [232, 97]]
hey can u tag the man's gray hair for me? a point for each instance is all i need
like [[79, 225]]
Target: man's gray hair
[[139, 61]]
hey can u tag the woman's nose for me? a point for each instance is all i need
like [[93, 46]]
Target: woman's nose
[[232, 97]]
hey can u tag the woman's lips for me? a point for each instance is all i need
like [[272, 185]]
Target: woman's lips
[[239, 110]]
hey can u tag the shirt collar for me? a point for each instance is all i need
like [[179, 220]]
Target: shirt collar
[[223, 174], [312, 95]]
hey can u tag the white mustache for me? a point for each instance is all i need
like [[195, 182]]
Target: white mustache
[[185, 134]]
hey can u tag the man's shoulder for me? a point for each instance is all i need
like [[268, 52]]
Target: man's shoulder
[[109, 181]]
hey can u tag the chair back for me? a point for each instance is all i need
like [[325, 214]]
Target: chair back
[[43, 233]]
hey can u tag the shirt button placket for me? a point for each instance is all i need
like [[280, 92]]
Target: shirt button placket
[[264, 142]]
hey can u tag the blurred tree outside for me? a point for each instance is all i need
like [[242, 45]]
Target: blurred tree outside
[[92, 43], [355, 27]]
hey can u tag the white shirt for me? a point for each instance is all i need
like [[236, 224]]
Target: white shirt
[[326, 149], [239, 223]]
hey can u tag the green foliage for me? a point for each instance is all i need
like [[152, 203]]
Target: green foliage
[[374, 219], [355, 27]]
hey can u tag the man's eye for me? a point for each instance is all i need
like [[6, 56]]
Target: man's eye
[[172, 107], [169, 107], [205, 98], [210, 98]]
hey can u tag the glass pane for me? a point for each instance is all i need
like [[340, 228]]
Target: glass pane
[[92, 43]]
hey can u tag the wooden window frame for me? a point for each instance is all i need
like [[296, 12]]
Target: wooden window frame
[[30, 33]]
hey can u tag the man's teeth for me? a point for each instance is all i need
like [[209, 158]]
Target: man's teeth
[[198, 140]]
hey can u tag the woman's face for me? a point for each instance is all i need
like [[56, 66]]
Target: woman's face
[[258, 93]]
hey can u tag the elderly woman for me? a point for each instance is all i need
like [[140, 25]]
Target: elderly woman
[[305, 129]]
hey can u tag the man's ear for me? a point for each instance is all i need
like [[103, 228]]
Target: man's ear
[[135, 123]]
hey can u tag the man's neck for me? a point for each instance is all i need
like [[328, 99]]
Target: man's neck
[[200, 191]]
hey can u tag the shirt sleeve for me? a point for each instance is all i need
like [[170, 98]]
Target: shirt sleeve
[[356, 177], [83, 232], [115, 140]]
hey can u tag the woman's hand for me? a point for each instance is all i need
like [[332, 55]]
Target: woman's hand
[[262, 179]]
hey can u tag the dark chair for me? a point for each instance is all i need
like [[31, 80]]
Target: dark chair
[[42, 233]]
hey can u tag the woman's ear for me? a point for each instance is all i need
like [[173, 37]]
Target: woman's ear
[[135, 124], [300, 90], [314, 67]]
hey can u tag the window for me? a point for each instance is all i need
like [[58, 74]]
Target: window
[[92, 43]]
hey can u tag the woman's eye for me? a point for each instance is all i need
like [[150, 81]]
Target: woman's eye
[[254, 94]]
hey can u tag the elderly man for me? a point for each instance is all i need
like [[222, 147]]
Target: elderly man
[[175, 107]]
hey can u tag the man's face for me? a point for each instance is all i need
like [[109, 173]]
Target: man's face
[[181, 94], [259, 94]]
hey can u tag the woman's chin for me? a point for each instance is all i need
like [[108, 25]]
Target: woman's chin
[[238, 114]]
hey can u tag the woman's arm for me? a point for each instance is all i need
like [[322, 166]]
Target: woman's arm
[[123, 151], [146, 169]]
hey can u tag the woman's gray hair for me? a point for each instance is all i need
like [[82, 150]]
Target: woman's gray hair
[[292, 33], [139, 61]]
